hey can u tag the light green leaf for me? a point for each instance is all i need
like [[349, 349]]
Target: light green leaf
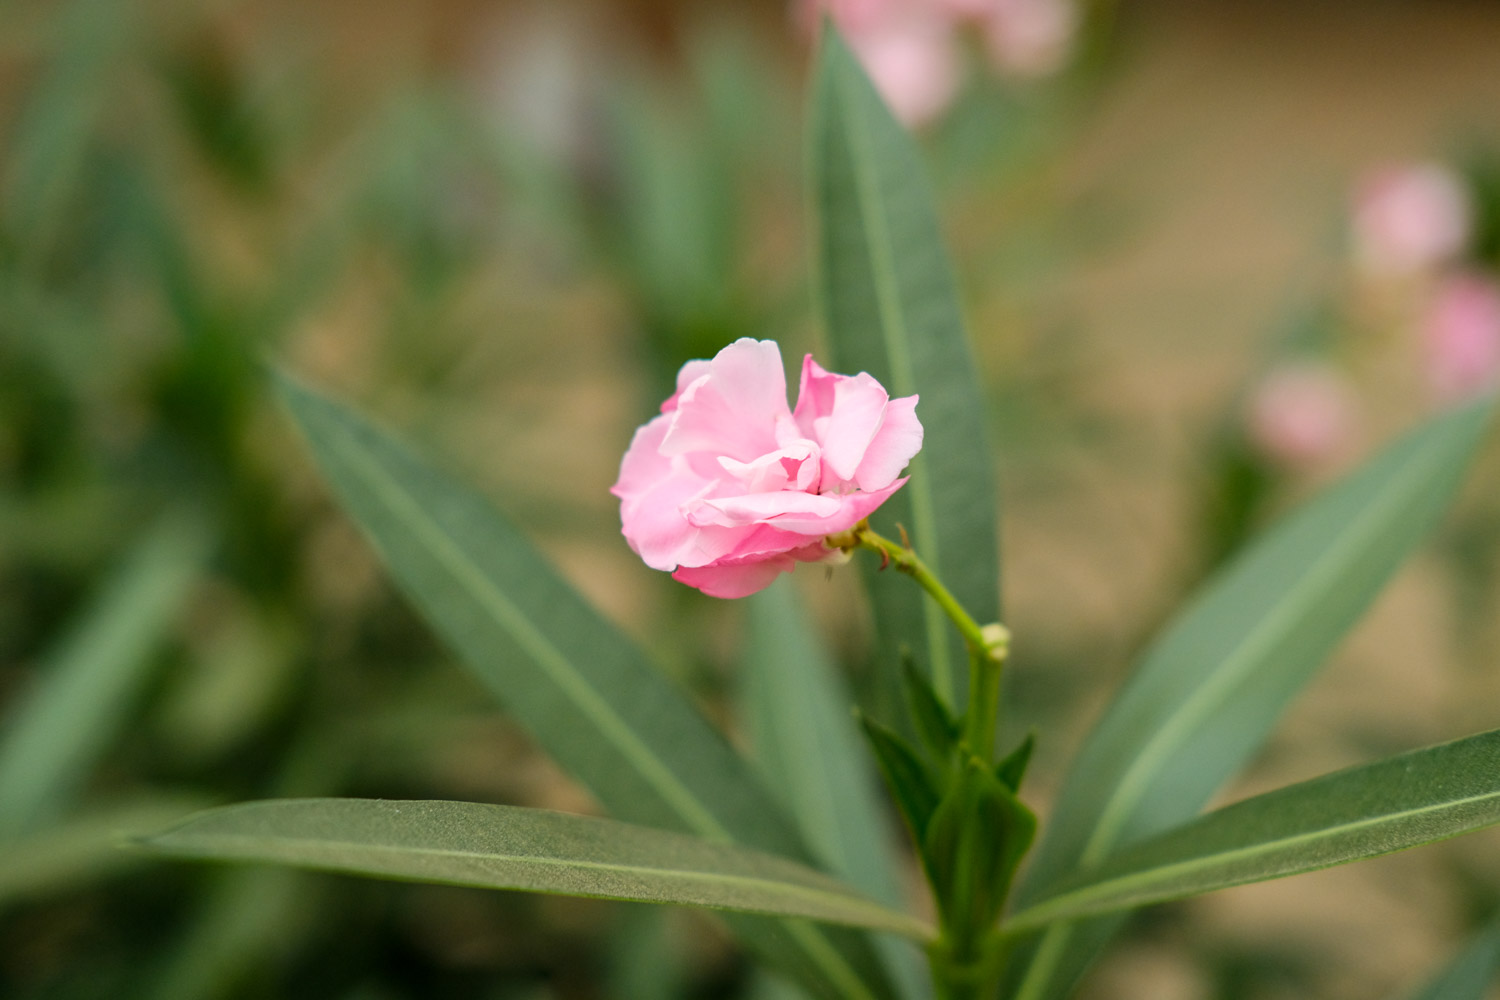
[[798, 713], [582, 689], [1209, 691], [87, 684], [534, 850], [1469, 975], [1404, 801], [892, 309], [85, 848]]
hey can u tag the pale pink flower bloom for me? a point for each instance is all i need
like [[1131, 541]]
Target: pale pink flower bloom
[[728, 488], [1461, 334], [1301, 413], [1410, 219], [1029, 37]]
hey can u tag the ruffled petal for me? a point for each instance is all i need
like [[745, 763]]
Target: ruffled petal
[[734, 409], [758, 508], [730, 580], [851, 509], [894, 446]]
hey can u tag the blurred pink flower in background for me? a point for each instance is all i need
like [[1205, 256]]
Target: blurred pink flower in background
[[907, 46], [728, 488], [1410, 219], [1029, 37], [1461, 336], [910, 47], [1301, 413]]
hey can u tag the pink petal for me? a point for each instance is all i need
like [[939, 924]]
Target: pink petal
[[815, 391], [734, 409], [898, 440], [644, 465], [686, 376], [858, 407], [755, 508], [852, 508], [735, 580]]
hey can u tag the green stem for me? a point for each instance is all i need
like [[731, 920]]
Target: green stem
[[987, 645]]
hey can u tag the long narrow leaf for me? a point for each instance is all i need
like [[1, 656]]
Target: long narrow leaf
[[534, 850], [583, 689], [892, 309], [85, 848], [1469, 975], [806, 741], [1211, 689], [87, 684], [1404, 801]]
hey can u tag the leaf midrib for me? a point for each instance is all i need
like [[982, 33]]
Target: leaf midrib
[[493, 600], [1045, 912], [896, 337], [831, 900], [1208, 696]]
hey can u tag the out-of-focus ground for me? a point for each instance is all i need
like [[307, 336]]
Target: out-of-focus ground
[[1122, 293]]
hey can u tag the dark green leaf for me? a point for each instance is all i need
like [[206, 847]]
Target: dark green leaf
[[912, 783], [934, 723], [583, 689], [1012, 769], [505, 847], [1210, 690], [892, 309], [976, 838], [1405, 801]]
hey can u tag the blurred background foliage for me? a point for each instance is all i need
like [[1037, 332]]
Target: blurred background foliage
[[502, 227]]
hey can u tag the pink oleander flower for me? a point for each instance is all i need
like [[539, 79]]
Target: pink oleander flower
[[1410, 219], [728, 488], [908, 47], [1301, 413], [1461, 335], [1030, 37]]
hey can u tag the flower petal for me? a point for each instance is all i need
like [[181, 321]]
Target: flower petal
[[897, 442], [733, 409]]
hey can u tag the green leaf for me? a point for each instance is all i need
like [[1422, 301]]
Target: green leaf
[[976, 838], [912, 783], [1363, 812], [1209, 691], [934, 724], [808, 745], [87, 684], [534, 850], [1012, 768], [892, 309], [582, 689], [85, 848], [1469, 975]]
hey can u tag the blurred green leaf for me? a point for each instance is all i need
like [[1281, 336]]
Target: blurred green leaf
[[1213, 686], [1404, 801], [892, 309], [934, 724], [977, 836], [808, 744], [1471, 972], [86, 685], [84, 848], [582, 689], [51, 140], [912, 783], [534, 850]]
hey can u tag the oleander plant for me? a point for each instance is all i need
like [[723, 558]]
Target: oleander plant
[[880, 467]]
